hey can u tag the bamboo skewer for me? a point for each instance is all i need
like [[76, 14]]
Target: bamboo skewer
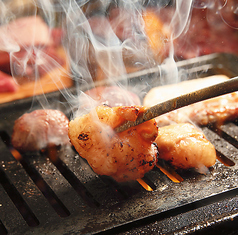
[[222, 88]]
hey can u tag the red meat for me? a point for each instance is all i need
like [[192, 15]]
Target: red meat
[[7, 84], [37, 53]]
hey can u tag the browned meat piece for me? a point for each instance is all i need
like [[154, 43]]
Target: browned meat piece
[[123, 156], [217, 110], [184, 146], [34, 131]]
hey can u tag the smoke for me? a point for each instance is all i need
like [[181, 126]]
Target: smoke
[[225, 10], [30, 49], [114, 37], [104, 40]]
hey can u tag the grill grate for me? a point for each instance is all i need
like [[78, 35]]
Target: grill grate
[[42, 194]]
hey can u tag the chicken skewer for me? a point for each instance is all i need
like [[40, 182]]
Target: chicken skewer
[[222, 88]]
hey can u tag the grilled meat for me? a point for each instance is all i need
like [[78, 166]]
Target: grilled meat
[[217, 110], [34, 49], [184, 146], [123, 156], [34, 131], [111, 96]]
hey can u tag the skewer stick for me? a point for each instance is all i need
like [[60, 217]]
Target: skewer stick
[[222, 88]]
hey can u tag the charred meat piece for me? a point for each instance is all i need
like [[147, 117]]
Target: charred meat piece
[[40, 128], [124, 156], [184, 146]]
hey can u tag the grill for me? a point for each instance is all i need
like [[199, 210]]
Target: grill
[[42, 194]]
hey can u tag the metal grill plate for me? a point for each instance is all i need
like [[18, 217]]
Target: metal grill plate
[[66, 197]]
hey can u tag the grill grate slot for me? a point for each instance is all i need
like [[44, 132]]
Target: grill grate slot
[[223, 159], [18, 201], [223, 147], [3, 230], [49, 194], [74, 182], [53, 200], [149, 182], [115, 205], [95, 185], [10, 215], [229, 132]]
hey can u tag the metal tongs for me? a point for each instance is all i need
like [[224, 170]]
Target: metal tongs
[[222, 88]]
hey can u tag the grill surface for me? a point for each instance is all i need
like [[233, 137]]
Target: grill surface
[[41, 196]]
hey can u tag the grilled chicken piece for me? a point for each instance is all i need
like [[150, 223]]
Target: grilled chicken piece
[[213, 111], [124, 156], [184, 146], [40, 128], [216, 110]]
